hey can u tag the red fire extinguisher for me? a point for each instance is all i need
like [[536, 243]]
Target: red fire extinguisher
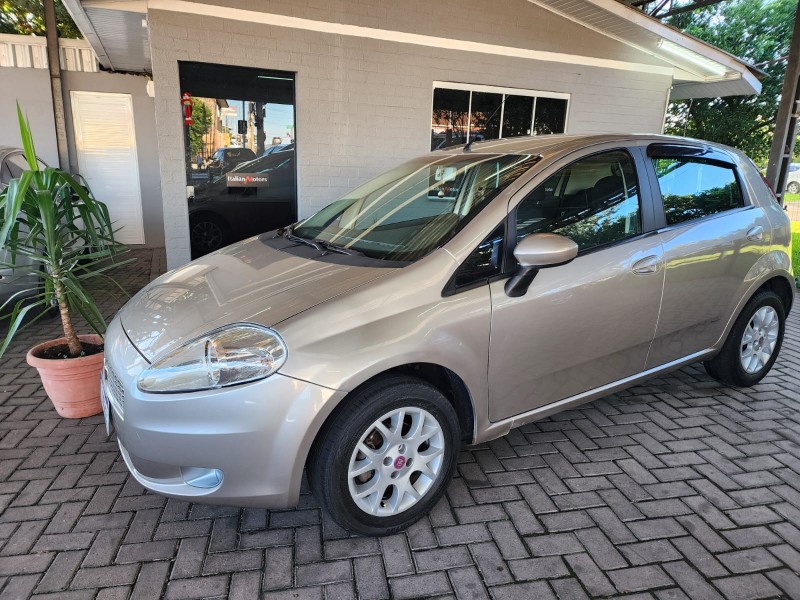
[[187, 103]]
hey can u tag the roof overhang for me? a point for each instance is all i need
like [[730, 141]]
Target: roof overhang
[[117, 30], [701, 69]]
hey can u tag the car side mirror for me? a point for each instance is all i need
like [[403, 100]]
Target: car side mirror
[[538, 251]]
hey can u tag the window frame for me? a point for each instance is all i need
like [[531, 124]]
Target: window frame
[[709, 155], [647, 207], [645, 199], [504, 91]]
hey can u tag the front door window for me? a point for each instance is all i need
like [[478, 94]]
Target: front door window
[[594, 201]]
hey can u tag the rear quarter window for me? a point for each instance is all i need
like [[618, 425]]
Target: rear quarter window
[[692, 188]]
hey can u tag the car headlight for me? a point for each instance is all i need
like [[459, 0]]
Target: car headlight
[[227, 356]]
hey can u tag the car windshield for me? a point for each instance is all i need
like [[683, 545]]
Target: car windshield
[[405, 213]]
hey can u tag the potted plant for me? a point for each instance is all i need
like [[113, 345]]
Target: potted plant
[[66, 238]]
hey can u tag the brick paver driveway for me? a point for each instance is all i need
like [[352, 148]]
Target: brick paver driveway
[[680, 488]]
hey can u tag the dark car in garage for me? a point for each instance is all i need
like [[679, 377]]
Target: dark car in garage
[[253, 197]]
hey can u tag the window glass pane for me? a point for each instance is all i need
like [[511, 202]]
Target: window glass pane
[[450, 116], [693, 188], [486, 115], [485, 261], [517, 116], [551, 115], [238, 182], [405, 213], [594, 201]]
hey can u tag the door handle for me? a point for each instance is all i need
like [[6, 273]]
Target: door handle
[[756, 234], [646, 266]]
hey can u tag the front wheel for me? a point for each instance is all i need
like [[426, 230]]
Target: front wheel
[[753, 343], [793, 187], [385, 457]]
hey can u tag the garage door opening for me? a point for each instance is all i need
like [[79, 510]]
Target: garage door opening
[[239, 138]]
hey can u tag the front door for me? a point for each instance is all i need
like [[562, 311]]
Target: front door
[[590, 322]]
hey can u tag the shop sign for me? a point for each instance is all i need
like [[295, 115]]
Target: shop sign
[[247, 179]]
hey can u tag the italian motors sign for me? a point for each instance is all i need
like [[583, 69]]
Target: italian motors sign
[[246, 179]]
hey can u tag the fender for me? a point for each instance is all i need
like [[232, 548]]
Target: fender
[[775, 263]]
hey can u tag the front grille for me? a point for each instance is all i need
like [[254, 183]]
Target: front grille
[[114, 389]]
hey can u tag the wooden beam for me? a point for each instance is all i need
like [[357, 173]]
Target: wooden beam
[[54, 66], [687, 8], [783, 140]]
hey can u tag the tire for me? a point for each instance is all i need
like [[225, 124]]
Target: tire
[[398, 463], [740, 363], [207, 233], [793, 187]]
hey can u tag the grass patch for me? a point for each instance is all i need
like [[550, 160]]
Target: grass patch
[[796, 247], [791, 197]]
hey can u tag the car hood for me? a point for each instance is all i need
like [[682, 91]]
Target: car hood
[[252, 281]]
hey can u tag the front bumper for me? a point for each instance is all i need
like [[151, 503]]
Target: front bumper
[[244, 445]]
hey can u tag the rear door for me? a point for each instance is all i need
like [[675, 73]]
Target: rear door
[[712, 237]]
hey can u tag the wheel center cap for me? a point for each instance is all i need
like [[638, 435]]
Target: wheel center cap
[[399, 462]]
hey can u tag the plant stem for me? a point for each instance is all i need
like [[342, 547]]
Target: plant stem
[[75, 347]]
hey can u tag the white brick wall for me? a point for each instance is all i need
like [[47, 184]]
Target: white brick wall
[[364, 105]]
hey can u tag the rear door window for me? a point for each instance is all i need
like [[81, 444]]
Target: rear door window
[[693, 187]]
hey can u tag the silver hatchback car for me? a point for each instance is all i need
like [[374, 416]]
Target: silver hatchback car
[[447, 301]]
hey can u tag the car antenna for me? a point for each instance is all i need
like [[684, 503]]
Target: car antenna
[[468, 147]]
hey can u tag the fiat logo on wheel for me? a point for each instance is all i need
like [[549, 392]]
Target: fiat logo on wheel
[[399, 462]]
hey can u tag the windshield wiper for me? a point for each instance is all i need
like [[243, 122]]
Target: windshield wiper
[[319, 244], [338, 249], [296, 238]]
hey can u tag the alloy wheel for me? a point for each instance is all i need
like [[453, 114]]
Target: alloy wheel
[[396, 461], [759, 339], [206, 236]]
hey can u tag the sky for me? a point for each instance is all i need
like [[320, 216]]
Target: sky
[[278, 118]]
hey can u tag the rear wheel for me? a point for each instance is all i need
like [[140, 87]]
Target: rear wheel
[[385, 458], [793, 187], [753, 343]]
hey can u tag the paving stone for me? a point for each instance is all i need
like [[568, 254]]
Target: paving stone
[[644, 553], [590, 575], [324, 572], [419, 586], [538, 568], [197, 587], [746, 587], [152, 581], [637, 579], [523, 591], [60, 572], [748, 561]]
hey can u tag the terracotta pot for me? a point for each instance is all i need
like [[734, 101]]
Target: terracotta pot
[[73, 384]]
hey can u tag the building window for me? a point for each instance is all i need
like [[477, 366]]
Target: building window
[[479, 112]]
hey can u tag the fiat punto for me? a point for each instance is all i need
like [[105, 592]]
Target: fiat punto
[[447, 301]]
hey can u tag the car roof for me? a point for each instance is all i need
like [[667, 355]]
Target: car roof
[[8, 151], [560, 143]]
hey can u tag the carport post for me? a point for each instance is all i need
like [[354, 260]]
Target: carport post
[[786, 120], [53, 63]]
